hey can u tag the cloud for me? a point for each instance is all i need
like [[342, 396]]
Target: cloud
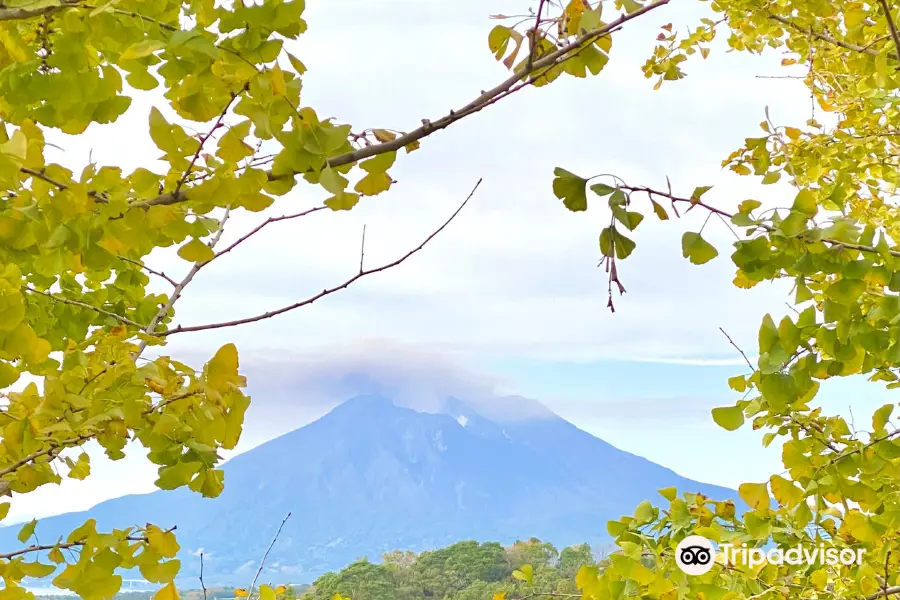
[[516, 274]]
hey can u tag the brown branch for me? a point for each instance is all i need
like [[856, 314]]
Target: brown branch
[[41, 175], [101, 311], [362, 250], [67, 545], [202, 585], [169, 401], [884, 593], [485, 99], [811, 431], [738, 348], [268, 221], [265, 556], [176, 293], [20, 14], [51, 452], [205, 138], [327, 291], [148, 269], [891, 25], [832, 242], [533, 35], [827, 38]]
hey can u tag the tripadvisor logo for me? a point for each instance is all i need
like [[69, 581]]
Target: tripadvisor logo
[[695, 555]]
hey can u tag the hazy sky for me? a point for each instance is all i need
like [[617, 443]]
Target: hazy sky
[[509, 297]]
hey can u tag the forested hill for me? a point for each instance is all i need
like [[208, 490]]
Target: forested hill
[[463, 571]]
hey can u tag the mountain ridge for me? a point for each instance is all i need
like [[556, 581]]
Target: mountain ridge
[[371, 476]]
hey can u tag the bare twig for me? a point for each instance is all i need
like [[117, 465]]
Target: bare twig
[[533, 35], [176, 293], [265, 556], [325, 292], [891, 24], [101, 311], [268, 221], [205, 138], [485, 99], [362, 250], [736, 347], [148, 269], [202, 585], [831, 242]]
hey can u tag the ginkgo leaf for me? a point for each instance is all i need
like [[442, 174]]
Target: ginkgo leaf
[[755, 494], [27, 531], [570, 188], [696, 249], [728, 417], [196, 251]]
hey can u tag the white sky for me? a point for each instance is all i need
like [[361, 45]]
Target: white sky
[[514, 280]]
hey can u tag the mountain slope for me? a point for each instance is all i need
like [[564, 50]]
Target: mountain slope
[[371, 477]]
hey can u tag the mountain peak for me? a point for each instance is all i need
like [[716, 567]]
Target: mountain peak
[[374, 475], [366, 402]]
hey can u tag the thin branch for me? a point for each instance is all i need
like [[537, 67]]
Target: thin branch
[[891, 25], [202, 585], [268, 221], [265, 556], [68, 545], [176, 293], [52, 451], [169, 401], [40, 174], [832, 242], [736, 347], [101, 311], [485, 99], [149, 270], [205, 138], [827, 38], [20, 14], [362, 250], [533, 35], [44, 177], [325, 292], [884, 593]]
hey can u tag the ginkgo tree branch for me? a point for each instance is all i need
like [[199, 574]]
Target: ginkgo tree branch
[[20, 14], [96, 309], [886, 592], [830, 39], [486, 98], [891, 25], [148, 269], [266, 556], [51, 451], [205, 137], [327, 291], [696, 202], [67, 545], [265, 223], [176, 293]]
